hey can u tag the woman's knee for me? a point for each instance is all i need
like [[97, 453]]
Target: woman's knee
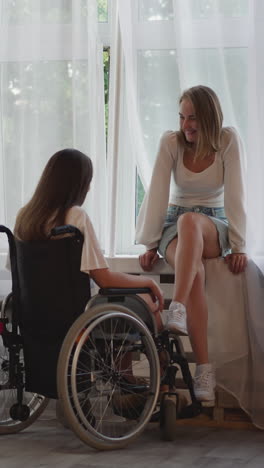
[[190, 223], [198, 227]]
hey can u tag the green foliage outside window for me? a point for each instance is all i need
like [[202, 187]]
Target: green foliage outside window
[[102, 11], [140, 192], [106, 58]]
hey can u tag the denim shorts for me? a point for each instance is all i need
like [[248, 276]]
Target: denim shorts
[[170, 231]]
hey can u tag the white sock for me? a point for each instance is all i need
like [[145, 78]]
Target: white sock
[[201, 368], [175, 305]]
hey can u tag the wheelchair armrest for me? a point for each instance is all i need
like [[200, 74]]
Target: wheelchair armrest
[[123, 291]]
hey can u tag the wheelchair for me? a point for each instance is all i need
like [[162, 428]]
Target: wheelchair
[[99, 356]]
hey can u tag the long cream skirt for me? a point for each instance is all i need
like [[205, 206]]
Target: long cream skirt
[[236, 333]]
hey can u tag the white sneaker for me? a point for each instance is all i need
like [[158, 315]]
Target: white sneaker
[[204, 386], [176, 319]]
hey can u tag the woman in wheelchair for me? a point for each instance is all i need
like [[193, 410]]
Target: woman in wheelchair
[[103, 362], [57, 201]]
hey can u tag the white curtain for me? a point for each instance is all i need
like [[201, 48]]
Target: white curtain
[[52, 97], [166, 46], [255, 119]]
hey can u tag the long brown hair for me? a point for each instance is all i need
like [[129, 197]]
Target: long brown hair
[[209, 116], [64, 183]]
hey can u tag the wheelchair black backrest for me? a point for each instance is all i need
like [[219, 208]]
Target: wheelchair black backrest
[[52, 293], [53, 290]]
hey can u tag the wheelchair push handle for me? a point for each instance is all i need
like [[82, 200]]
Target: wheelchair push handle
[[6, 231], [11, 242]]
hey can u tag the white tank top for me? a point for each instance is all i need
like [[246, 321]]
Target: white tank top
[[204, 188]]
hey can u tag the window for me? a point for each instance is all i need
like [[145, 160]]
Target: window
[[206, 41], [51, 94]]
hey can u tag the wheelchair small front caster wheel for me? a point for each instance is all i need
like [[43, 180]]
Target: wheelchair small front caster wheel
[[19, 412], [168, 417]]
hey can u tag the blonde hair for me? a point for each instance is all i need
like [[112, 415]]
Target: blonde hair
[[64, 183], [209, 116]]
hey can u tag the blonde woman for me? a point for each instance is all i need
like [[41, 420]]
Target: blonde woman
[[200, 215]]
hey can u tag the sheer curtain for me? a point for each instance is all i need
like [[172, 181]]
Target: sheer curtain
[[255, 96], [167, 46], [52, 96]]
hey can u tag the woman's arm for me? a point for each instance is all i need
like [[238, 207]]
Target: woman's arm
[[234, 189], [94, 263], [106, 278], [153, 210]]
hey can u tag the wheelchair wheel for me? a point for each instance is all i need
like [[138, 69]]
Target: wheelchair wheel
[[14, 417], [108, 376]]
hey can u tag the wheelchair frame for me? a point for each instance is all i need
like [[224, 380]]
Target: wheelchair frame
[[108, 371]]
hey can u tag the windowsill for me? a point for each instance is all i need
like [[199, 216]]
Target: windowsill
[[130, 264]]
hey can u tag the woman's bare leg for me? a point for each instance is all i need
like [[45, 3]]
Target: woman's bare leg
[[197, 318], [197, 239]]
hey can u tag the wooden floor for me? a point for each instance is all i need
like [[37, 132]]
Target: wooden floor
[[48, 444]]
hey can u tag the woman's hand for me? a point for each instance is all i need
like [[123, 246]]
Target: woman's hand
[[237, 262], [148, 259], [157, 295]]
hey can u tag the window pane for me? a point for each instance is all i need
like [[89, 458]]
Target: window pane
[[155, 10], [208, 8], [45, 11], [28, 11], [159, 89], [209, 71], [236, 61], [159, 86], [41, 113], [102, 11]]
